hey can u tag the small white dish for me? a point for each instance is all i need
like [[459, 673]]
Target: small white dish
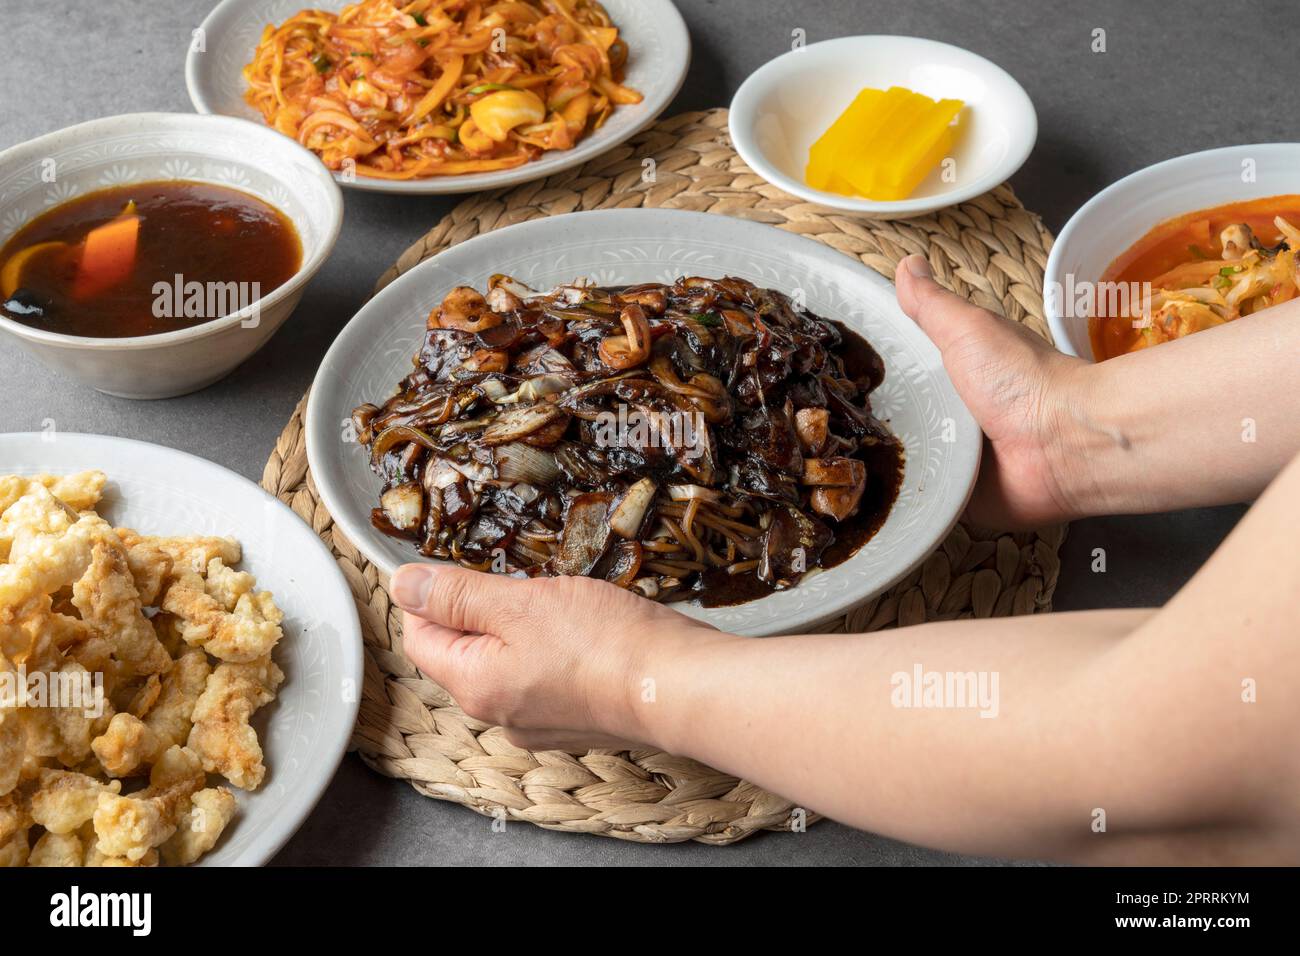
[[615, 247], [305, 732], [788, 103], [659, 54], [1122, 213], [145, 147]]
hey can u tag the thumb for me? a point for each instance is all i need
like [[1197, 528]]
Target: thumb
[[458, 598], [942, 315]]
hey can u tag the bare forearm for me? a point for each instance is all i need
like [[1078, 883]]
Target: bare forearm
[[839, 724], [1208, 419], [1174, 731]]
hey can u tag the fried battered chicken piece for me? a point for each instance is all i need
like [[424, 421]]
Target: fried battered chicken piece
[[200, 826], [151, 567], [129, 827], [170, 716], [62, 732], [47, 549], [107, 599], [174, 779], [227, 619], [57, 849], [132, 826], [81, 491], [67, 799], [13, 745], [126, 747], [14, 823], [222, 735], [191, 553], [14, 850]]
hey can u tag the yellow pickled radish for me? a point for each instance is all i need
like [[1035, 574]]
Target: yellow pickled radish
[[851, 127], [863, 165], [915, 159], [884, 144]]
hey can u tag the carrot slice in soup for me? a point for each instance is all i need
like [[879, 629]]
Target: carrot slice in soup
[[108, 257]]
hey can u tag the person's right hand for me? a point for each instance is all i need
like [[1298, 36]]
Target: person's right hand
[[1022, 392]]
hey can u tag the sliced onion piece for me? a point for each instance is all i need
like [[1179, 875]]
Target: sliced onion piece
[[625, 564], [516, 422], [629, 513], [687, 492], [403, 505], [519, 462]]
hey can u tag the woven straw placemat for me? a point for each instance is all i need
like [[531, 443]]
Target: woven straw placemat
[[989, 249]]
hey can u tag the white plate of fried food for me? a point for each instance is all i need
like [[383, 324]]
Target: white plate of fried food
[[180, 658], [442, 96]]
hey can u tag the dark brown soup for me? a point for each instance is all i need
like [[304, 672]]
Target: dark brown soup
[[144, 259]]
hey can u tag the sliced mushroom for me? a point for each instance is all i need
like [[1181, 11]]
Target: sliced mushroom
[[629, 513], [404, 505]]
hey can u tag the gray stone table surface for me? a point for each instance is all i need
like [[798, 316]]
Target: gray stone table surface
[[1170, 82]]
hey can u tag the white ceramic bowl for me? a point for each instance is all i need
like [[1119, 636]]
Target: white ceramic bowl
[[142, 147], [786, 105], [305, 732], [624, 246], [1122, 213], [659, 54]]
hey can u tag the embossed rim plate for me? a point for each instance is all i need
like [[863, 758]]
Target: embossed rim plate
[[639, 245], [306, 730], [656, 34]]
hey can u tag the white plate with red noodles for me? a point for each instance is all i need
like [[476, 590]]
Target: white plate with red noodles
[[619, 247], [442, 96]]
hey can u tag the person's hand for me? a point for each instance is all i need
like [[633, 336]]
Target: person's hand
[[1022, 392], [558, 662]]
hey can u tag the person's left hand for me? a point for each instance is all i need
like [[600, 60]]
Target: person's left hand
[[558, 662]]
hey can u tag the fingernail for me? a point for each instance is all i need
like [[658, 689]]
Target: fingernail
[[411, 584], [918, 266]]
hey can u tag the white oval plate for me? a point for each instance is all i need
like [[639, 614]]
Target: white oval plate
[[659, 54], [786, 105], [304, 733], [624, 246], [1110, 222]]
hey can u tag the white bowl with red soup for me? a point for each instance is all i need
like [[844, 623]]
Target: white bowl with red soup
[[148, 255], [1177, 248]]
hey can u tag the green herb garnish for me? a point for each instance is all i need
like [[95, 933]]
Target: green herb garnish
[[360, 53], [484, 87], [419, 18], [1222, 282], [321, 62], [1228, 271], [1196, 251], [709, 320]]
